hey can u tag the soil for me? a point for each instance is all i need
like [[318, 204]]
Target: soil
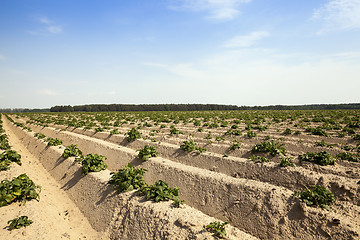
[[255, 197], [55, 216]]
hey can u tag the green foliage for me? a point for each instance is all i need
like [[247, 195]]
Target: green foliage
[[217, 228], [322, 158], [115, 131], [200, 149], [351, 157], [251, 134], [188, 145], [285, 161], [72, 151], [219, 139], [259, 159], [174, 131], [4, 144], [8, 157], [272, 147], [356, 137], [39, 135], [233, 132], [341, 134], [133, 134], [21, 188], [317, 196], [322, 143], [234, 146], [317, 131], [93, 163], [19, 222], [53, 141], [160, 191], [287, 131], [147, 152], [128, 179], [99, 129]]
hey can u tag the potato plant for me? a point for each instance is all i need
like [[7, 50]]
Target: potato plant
[[92, 163], [19, 222], [20, 188], [8, 157], [160, 191], [322, 158], [53, 141], [72, 151], [316, 196], [133, 134], [272, 147], [147, 152], [128, 178], [217, 228]]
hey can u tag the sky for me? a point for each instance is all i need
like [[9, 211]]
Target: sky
[[238, 52]]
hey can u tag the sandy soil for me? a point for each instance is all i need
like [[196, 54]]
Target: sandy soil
[[55, 216]]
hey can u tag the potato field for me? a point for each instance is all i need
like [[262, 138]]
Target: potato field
[[201, 175]]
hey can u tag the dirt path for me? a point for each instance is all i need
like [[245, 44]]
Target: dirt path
[[55, 216]]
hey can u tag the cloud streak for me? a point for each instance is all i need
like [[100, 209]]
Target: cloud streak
[[244, 41], [217, 9], [339, 15], [48, 27]]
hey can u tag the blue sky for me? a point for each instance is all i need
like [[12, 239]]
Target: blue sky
[[242, 52]]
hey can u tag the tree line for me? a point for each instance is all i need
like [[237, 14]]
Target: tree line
[[179, 107], [195, 107]]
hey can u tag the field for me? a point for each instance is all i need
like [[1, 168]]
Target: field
[[270, 174]]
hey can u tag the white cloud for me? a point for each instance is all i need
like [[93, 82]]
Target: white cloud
[[47, 92], [111, 93], [48, 27], [243, 41], [2, 57], [339, 15], [2, 97], [217, 9]]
